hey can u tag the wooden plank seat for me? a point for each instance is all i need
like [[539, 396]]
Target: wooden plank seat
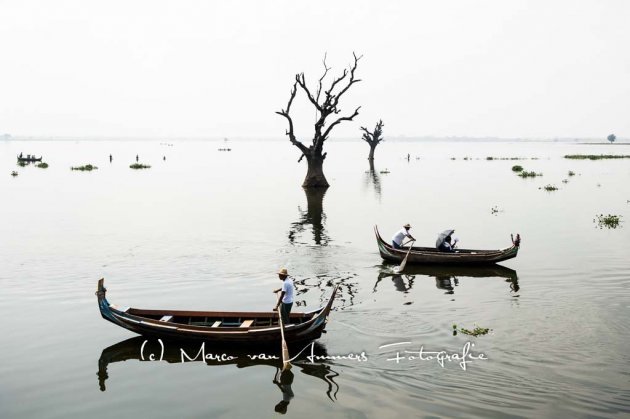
[[247, 323]]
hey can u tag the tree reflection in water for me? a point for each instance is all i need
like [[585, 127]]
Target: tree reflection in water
[[373, 178], [141, 349], [314, 217]]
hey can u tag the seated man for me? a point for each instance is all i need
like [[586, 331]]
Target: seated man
[[400, 236], [448, 245]]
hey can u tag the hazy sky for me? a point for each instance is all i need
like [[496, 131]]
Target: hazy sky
[[222, 68]]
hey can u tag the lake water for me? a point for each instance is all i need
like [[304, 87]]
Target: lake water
[[207, 229]]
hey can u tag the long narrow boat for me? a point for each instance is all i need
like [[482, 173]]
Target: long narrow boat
[[221, 327], [29, 159], [432, 256]]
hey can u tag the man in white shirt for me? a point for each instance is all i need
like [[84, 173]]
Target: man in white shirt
[[285, 299], [400, 236]]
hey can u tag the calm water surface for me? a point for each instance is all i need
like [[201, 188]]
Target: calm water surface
[[206, 229]]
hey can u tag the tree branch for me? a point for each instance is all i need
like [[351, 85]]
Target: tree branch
[[285, 113], [300, 79], [345, 118]]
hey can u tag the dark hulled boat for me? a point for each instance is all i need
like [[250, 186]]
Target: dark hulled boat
[[432, 256], [212, 326], [29, 159]]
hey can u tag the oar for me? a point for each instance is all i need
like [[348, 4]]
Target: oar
[[404, 262], [286, 365]]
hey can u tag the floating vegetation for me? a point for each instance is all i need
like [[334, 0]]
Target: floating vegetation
[[525, 174], [549, 188], [596, 156], [565, 180], [608, 221], [517, 168], [87, 167], [42, 165], [225, 149], [452, 158], [386, 171], [139, 166], [21, 163], [477, 331], [14, 173], [494, 210], [571, 173], [466, 158]]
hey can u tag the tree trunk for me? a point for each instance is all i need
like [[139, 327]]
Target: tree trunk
[[315, 174], [372, 148]]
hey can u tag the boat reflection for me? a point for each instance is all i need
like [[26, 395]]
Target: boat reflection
[[446, 277], [314, 217], [152, 350]]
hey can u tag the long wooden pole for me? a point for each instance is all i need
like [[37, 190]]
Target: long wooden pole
[[286, 364]]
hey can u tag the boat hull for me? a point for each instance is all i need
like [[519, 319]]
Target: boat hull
[[303, 327], [432, 256]]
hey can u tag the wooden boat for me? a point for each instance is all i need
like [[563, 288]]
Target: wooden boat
[[29, 159], [220, 327], [432, 256]]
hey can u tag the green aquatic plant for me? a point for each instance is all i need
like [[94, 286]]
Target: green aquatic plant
[[596, 156], [525, 174], [21, 163], [86, 167], [517, 168], [477, 331], [608, 221], [549, 188], [14, 173], [140, 166], [386, 171], [42, 165], [571, 173]]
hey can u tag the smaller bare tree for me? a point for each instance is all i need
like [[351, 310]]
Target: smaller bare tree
[[373, 138]]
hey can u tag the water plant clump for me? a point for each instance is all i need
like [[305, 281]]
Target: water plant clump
[[550, 188], [21, 163], [596, 156], [386, 171], [42, 165], [525, 174], [86, 167], [140, 166], [517, 168], [14, 173], [571, 173], [477, 331], [608, 221]]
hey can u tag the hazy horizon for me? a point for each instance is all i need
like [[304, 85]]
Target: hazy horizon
[[491, 69]]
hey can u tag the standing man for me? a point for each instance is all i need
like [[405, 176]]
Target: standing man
[[400, 236], [285, 299]]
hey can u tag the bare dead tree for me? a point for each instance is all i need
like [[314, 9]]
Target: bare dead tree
[[326, 103], [373, 138]]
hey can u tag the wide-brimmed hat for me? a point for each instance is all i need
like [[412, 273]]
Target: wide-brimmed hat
[[407, 225], [283, 271]]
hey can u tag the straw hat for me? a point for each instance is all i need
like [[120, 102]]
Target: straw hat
[[283, 271]]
